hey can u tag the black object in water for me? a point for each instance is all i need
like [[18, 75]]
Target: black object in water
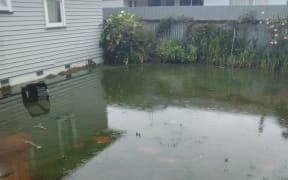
[[35, 92], [36, 99]]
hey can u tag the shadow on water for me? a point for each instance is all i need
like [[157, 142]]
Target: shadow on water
[[45, 138]]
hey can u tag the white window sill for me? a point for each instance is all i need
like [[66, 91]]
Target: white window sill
[[55, 25]]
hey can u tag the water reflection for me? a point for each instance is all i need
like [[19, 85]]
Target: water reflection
[[158, 87], [14, 162], [180, 122], [261, 124], [195, 123], [49, 136]]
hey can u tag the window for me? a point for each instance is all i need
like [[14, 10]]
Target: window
[[185, 2], [170, 2], [54, 13], [197, 3], [5, 5], [132, 3], [154, 3]]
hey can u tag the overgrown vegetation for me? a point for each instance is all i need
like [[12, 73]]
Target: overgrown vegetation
[[125, 41], [174, 51], [165, 26]]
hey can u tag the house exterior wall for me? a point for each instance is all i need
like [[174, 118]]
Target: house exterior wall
[[258, 2], [28, 46], [216, 2]]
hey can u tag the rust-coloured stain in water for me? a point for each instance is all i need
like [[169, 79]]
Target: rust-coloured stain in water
[[103, 139], [13, 161]]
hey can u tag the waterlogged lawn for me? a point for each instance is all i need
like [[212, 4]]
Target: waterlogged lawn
[[158, 122]]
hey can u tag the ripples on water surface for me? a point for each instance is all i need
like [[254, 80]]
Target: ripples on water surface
[[156, 122]]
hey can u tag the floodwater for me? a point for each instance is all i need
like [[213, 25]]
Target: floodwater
[[156, 122]]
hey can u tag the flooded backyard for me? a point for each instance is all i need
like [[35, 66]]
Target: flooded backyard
[[156, 122]]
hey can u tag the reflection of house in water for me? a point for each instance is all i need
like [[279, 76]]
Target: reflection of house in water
[[38, 108], [77, 111]]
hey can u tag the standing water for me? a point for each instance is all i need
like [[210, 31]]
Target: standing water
[[156, 122]]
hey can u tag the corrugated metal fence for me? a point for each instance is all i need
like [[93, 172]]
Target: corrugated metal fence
[[220, 16]]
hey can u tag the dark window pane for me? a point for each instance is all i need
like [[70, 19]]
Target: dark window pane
[[170, 2], [154, 3], [197, 2], [185, 2]]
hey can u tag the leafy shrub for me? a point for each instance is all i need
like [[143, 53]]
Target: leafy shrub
[[165, 26], [191, 53], [171, 51], [213, 43], [124, 40]]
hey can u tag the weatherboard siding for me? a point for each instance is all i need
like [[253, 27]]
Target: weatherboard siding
[[28, 46]]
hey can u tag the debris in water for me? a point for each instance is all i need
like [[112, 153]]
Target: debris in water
[[138, 134], [32, 144], [226, 160], [249, 175], [40, 126], [103, 139]]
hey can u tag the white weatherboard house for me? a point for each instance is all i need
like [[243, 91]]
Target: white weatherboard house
[[41, 37]]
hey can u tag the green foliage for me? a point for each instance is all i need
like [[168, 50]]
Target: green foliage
[[213, 43], [164, 26], [125, 41], [171, 51], [248, 18], [191, 53], [174, 51]]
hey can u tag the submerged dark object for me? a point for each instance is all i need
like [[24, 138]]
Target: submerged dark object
[[35, 92], [36, 99]]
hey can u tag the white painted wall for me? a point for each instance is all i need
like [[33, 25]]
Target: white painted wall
[[258, 2], [216, 2], [28, 46]]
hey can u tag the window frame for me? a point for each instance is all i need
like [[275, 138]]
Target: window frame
[[7, 8], [63, 15]]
